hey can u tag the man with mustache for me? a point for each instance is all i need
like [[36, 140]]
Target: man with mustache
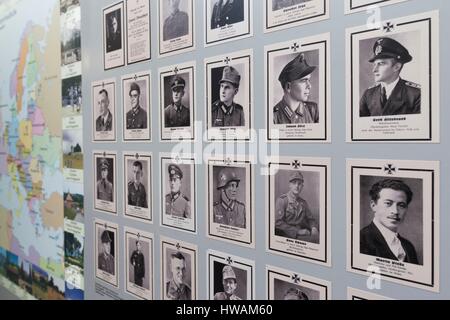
[[295, 79], [389, 203]]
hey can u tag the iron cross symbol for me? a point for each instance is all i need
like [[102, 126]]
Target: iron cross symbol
[[103, 84], [178, 246], [106, 225], [177, 159], [229, 260], [227, 60], [135, 77], [388, 27], [228, 161], [296, 164], [104, 154], [137, 155], [176, 70], [295, 278], [390, 169], [295, 46], [138, 236]]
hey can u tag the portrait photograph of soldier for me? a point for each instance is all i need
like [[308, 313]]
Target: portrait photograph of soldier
[[113, 36], [226, 12], [177, 104], [136, 107], [297, 90], [177, 203], [137, 169], [394, 218], [104, 182], [287, 291], [106, 251], [391, 93], [103, 110], [113, 30], [139, 260], [178, 269]]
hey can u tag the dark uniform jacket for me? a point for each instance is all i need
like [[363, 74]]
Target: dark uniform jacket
[[137, 196], [232, 12], [178, 205], [372, 243], [114, 41], [292, 214], [232, 116], [224, 296], [283, 114], [232, 214], [106, 263], [173, 292], [105, 191], [176, 116], [137, 119], [101, 126], [404, 99], [137, 260], [176, 25]]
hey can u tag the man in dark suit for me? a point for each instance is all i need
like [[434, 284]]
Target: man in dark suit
[[226, 12], [104, 120], [114, 36], [137, 260], [389, 202], [391, 95]]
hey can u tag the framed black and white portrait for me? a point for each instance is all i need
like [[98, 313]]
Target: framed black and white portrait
[[178, 270], [136, 107], [177, 102], [230, 200], [393, 82], [113, 36], [227, 20], [138, 31], [393, 220], [106, 251], [229, 96], [178, 196], [176, 26], [298, 208], [230, 277], [105, 181], [352, 6], [289, 285], [297, 79], [138, 186], [103, 95], [139, 263], [283, 14], [358, 295]]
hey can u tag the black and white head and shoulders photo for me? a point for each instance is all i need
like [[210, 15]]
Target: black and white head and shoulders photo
[[106, 251], [113, 36], [105, 178], [104, 110]]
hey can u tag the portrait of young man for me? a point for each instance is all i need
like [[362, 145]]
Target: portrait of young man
[[226, 12], [137, 260], [105, 188], [137, 195], [176, 24], [104, 121], [177, 288], [106, 257], [177, 203], [113, 31], [176, 114], [136, 117], [230, 285]]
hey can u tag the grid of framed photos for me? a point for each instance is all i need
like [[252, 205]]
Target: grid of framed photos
[[179, 211]]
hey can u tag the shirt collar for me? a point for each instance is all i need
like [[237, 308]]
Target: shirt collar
[[390, 87], [387, 234]]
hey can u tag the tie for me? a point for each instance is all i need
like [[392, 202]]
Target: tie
[[383, 96], [398, 249]]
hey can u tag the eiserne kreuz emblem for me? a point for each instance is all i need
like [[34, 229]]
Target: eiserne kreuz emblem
[[135, 77], [229, 260], [295, 278], [104, 154], [176, 70], [296, 164], [295, 47], [227, 60], [106, 225], [390, 169], [178, 246], [103, 84], [136, 155], [228, 161], [388, 27], [138, 236]]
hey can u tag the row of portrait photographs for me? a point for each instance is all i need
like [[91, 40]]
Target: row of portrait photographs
[[230, 277]]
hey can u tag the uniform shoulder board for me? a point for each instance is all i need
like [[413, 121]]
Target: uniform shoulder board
[[276, 109], [185, 198], [239, 107], [130, 183], [412, 84], [283, 196], [216, 203], [240, 203], [215, 106]]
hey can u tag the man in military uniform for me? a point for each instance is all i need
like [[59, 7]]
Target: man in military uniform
[[105, 258], [225, 112], [176, 25], [177, 204], [229, 285], [281, 4], [176, 289], [136, 117], [137, 196], [137, 260], [226, 12], [391, 95], [293, 217], [176, 114], [295, 79], [104, 187], [295, 294], [104, 120], [229, 211]]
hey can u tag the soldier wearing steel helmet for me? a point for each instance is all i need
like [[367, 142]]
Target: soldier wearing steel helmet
[[295, 294], [229, 283], [228, 210]]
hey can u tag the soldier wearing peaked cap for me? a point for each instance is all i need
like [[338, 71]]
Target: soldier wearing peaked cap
[[176, 114], [391, 95], [229, 285], [293, 218], [295, 294], [137, 116], [104, 187], [225, 112], [177, 204], [295, 79], [228, 210], [105, 258]]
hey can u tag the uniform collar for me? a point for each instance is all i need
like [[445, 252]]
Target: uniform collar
[[293, 197], [173, 14], [227, 110], [178, 108], [300, 110], [136, 109], [390, 87], [180, 288], [175, 196], [228, 206]]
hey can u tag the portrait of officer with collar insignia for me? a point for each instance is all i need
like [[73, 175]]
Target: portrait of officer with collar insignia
[[177, 112]]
